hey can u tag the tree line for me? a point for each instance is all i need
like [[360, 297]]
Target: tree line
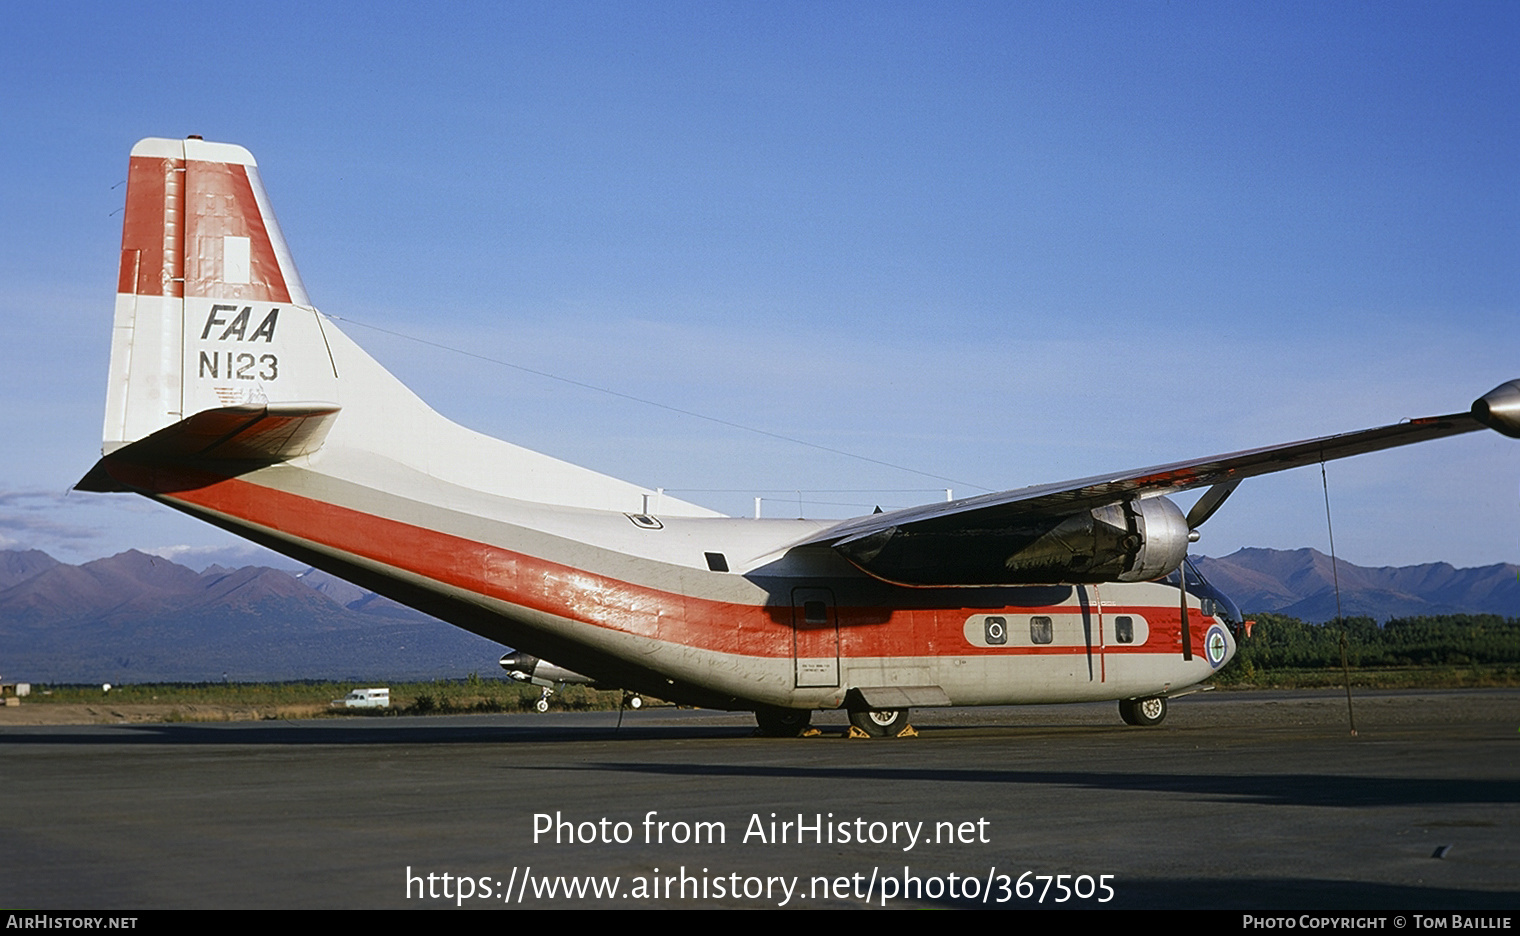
[[1281, 642]]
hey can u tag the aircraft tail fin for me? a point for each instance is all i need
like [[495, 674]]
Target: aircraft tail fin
[[218, 356], [210, 311]]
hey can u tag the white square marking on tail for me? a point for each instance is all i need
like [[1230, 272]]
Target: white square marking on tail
[[235, 259]]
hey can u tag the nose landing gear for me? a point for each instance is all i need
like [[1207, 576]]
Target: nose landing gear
[[1143, 713]]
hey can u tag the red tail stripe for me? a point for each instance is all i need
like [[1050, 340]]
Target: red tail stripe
[[219, 201], [174, 228], [143, 227]]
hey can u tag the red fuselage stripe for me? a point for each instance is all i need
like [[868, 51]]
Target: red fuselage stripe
[[565, 591]]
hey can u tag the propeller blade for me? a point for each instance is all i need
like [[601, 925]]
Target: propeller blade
[[1210, 502]]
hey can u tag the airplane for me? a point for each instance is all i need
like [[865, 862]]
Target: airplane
[[232, 399]]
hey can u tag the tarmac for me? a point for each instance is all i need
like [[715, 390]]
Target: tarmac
[[1260, 802]]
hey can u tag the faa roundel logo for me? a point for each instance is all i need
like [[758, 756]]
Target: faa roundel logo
[[1216, 645]]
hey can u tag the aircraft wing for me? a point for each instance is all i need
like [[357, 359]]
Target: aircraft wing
[[1049, 501], [1108, 527]]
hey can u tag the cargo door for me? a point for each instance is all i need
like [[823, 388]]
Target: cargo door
[[815, 638]]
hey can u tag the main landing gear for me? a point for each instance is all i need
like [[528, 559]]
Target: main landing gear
[[791, 723], [1143, 713], [880, 723], [782, 722]]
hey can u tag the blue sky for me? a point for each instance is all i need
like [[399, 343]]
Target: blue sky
[[1003, 244]]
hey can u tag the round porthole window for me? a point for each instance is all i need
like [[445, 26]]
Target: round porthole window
[[996, 631], [1216, 645]]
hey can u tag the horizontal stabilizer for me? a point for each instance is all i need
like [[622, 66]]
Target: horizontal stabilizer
[[257, 433]]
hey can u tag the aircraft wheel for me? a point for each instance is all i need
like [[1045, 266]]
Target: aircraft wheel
[[782, 723], [634, 702], [883, 723], [542, 705], [1143, 713]]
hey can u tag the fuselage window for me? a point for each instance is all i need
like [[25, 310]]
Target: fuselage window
[[995, 631], [1041, 630], [1124, 628], [815, 612]]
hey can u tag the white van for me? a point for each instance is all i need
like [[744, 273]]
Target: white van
[[365, 698]]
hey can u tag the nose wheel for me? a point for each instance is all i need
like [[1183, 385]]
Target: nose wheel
[[1143, 713]]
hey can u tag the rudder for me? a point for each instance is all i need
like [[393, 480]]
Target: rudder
[[218, 357]]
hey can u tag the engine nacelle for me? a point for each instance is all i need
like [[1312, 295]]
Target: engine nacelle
[[1133, 541], [519, 666], [527, 668], [1164, 538], [1499, 409]]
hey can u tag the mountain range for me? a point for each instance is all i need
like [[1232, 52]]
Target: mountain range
[[135, 617], [1300, 583]]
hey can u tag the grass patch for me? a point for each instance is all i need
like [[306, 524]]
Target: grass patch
[[476, 695], [438, 697]]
